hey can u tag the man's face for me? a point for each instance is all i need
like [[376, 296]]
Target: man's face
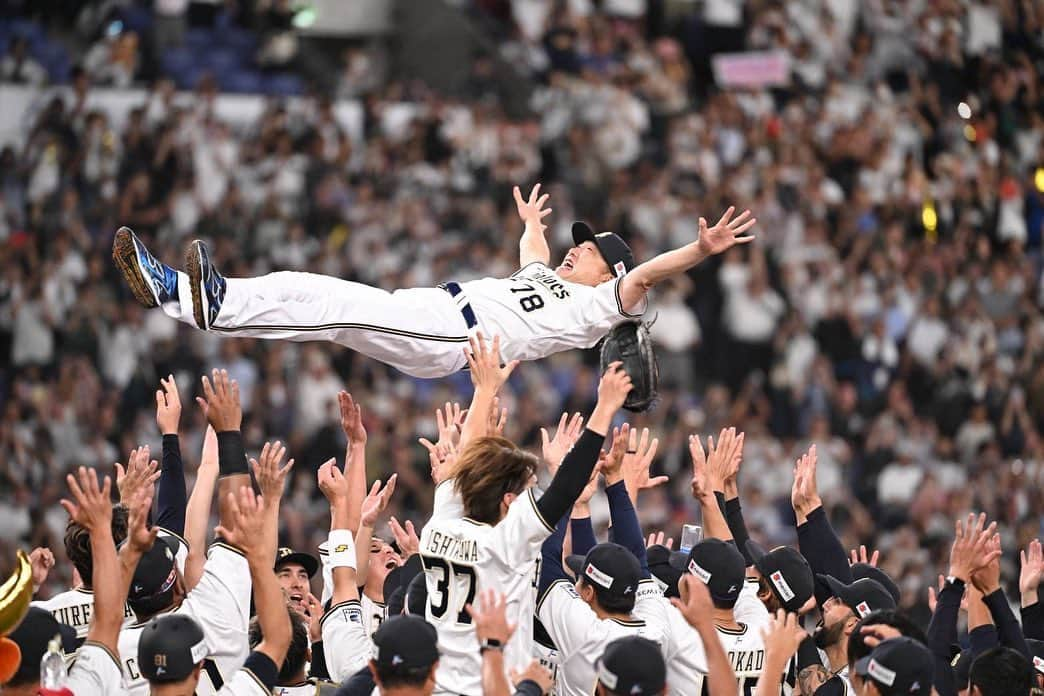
[[294, 580], [383, 560], [836, 617], [584, 265]]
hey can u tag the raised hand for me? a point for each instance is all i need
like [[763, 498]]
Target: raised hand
[[970, 547], [270, 476], [695, 603], [168, 406], [860, 556], [700, 488], [449, 422], [376, 501], [726, 233], [720, 457], [580, 507], [351, 419], [484, 363], [986, 579], [139, 474], [782, 636], [442, 457], [1032, 569], [313, 613], [332, 483], [220, 401], [91, 507], [876, 634], [405, 538], [535, 673], [566, 435], [657, 539], [531, 211], [245, 525], [497, 419], [933, 597], [613, 466], [614, 386], [636, 463], [139, 537], [804, 495], [41, 560], [490, 617]]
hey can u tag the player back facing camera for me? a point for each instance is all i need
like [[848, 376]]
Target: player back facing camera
[[537, 311]]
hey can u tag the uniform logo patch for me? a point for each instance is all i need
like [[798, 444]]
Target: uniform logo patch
[[340, 548], [782, 587], [598, 577], [620, 269], [1038, 663], [699, 572], [863, 609], [353, 614], [199, 651], [881, 673]]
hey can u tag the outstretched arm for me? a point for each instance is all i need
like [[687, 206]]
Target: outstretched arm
[[532, 246], [713, 240]]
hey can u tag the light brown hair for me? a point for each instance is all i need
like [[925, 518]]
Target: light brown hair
[[488, 468]]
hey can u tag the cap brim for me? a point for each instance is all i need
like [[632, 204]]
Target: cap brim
[[836, 587], [582, 232], [307, 561], [575, 564], [679, 560], [756, 553]]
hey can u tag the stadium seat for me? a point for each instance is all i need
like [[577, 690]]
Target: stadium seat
[[284, 85], [241, 81]]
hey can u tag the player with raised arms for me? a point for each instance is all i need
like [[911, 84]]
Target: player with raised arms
[[537, 311]]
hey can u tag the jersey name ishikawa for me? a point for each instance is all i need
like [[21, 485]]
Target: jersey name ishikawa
[[455, 548]]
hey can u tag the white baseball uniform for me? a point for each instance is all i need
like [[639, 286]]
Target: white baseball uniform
[[245, 682], [421, 331], [581, 637], [461, 558], [373, 613], [220, 603], [346, 642], [95, 670]]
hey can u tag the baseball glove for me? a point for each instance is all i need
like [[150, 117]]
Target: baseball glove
[[630, 343]]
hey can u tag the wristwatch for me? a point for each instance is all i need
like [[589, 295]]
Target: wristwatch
[[491, 644]]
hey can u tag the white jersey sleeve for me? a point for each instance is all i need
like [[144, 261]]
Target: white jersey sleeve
[[568, 620], [518, 537], [346, 644], [250, 679], [221, 598], [749, 609], [95, 670], [448, 503]]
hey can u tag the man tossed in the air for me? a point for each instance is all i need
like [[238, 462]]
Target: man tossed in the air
[[537, 311]]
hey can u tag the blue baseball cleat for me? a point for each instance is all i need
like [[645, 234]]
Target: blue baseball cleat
[[208, 286], [151, 282]]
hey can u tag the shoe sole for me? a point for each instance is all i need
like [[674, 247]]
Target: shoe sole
[[125, 255], [195, 273]]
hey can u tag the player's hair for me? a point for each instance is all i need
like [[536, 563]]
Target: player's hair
[[399, 677], [857, 647], [1001, 672], [488, 468], [611, 604], [78, 543], [296, 654]]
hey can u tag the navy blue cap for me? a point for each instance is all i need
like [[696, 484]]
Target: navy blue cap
[[903, 664], [719, 564], [609, 568], [862, 596], [785, 571], [614, 250], [634, 666]]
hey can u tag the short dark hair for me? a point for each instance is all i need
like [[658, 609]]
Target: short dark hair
[[857, 647], [78, 543], [397, 677], [612, 604], [488, 468], [296, 654], [1001, 672]]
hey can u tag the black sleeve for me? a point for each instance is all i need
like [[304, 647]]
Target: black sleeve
[[1033, 621], [231, 454], [942, 633], [359, 684], [737, 526], [982, 638], [171, 497], [572, 476], [318, 669], [263, 668], [528, 688], [807, 654], [820, 546], [1008, 629]]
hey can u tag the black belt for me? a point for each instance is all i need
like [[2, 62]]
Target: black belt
[[466, 311]]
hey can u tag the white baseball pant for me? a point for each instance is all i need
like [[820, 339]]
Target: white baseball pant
[[419, 331]]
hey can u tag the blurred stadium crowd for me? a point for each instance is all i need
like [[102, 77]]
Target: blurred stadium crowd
[[889, 311]]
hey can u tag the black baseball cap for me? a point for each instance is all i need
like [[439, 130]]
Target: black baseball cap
[[1036, 654], [37, 629], [865, 570], [667, 576], [902, 664], [405, 643], [609, 568], [156, 572], [306, 560], [170, 647], [961, 665], [862, 596], [610, 245], [719, 564], [786, 571], [632, 665]]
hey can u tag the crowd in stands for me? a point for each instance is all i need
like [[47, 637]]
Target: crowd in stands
[[888, 313]]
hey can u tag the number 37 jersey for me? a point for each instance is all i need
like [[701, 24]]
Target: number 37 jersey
[[461, 559], [536, 313]]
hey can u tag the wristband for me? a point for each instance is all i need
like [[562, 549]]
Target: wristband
[[491, 644], [341, 547], [231, 455]]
